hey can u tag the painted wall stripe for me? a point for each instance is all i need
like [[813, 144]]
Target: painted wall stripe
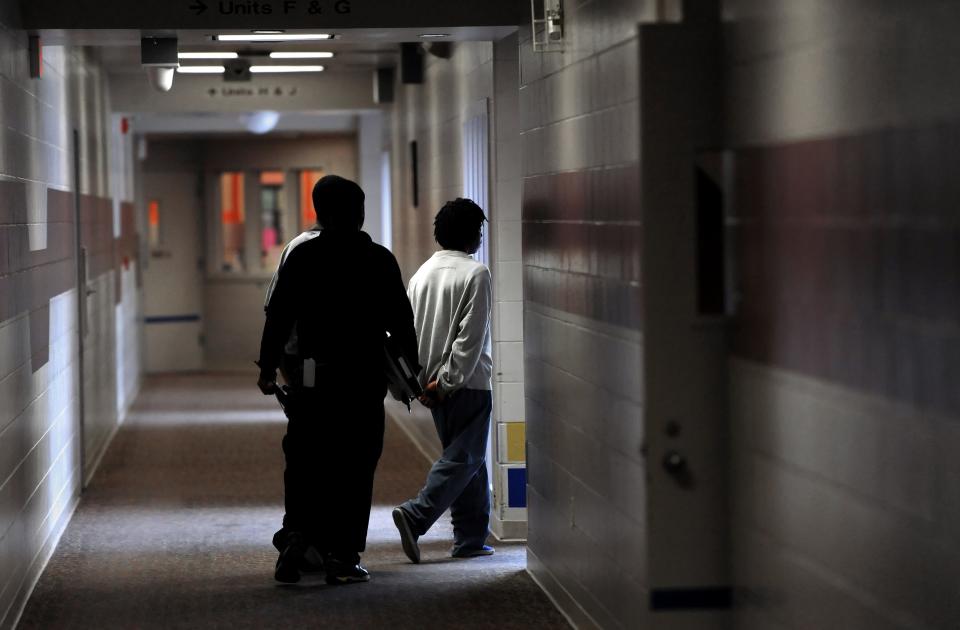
[[511, 442], [517, 487], [516, 441]]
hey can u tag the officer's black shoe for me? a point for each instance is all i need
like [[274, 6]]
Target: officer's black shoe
[[343, 573], [312, 561], [288, 564], [280, 539]]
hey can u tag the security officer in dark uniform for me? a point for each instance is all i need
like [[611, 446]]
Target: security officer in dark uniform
[[342, 293]]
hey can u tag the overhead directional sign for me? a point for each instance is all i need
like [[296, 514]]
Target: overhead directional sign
[[266, 14], [344, 91]]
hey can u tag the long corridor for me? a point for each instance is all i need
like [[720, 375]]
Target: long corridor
[[174, 532]]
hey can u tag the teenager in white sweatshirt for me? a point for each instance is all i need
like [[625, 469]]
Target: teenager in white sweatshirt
[[451, 298]]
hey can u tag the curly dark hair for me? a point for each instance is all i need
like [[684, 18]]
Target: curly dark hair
[[458, 224]]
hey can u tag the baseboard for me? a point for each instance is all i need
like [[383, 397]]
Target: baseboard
[[37, 567], [121, 418], [43, 556], [508, 531], [122, 414], [575, 615], [103, 451]]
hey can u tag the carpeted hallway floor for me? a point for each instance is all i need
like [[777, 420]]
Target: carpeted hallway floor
[[174, 532]]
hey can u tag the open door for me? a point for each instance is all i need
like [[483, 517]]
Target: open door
[[684, 328]]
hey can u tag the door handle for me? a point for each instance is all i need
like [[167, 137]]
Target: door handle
[[90, 291], [675, 463]]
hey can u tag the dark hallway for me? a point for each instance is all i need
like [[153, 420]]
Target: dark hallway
[[174, 532], [720, 307]]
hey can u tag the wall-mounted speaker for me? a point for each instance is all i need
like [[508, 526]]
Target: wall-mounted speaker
[[383, 80], [411, 64]]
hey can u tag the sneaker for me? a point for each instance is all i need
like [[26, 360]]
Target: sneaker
[[340, 573], [407, 538], [288, 564], [473, 552]]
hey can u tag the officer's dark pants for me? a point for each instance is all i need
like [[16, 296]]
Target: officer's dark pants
[[332, 447]]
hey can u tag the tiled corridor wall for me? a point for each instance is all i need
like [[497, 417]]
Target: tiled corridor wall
[[510, 476], [40, 451], [844, 379], [583, 330], [433, 114]]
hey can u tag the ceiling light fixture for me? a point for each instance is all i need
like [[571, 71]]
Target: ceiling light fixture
[[269, 69], [262, 122], [278, 37], [434, 35], [208, 55], [269, 32], [301, 55], [200, 69]]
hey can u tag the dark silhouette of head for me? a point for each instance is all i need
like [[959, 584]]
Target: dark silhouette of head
[[338, 203], [458, 225]]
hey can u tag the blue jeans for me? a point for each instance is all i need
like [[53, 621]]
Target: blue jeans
[[458, 480]]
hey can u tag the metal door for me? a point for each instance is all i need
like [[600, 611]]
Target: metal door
[[173, 273], [684, 351]]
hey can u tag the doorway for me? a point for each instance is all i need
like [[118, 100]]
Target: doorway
[[173, 307]]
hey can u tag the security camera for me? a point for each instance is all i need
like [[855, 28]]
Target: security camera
[[159, 56], [161, 77]]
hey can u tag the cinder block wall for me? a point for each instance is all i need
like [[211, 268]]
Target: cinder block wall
[[40, 450], [506, 229], [844, 119], [432, 114], [583, 334]]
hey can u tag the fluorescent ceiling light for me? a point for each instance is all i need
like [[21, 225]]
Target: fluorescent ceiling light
[[208, 55], [269, 32], [301, 55], [267, 69], [279, 37], [200, 69], [434, 35]]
